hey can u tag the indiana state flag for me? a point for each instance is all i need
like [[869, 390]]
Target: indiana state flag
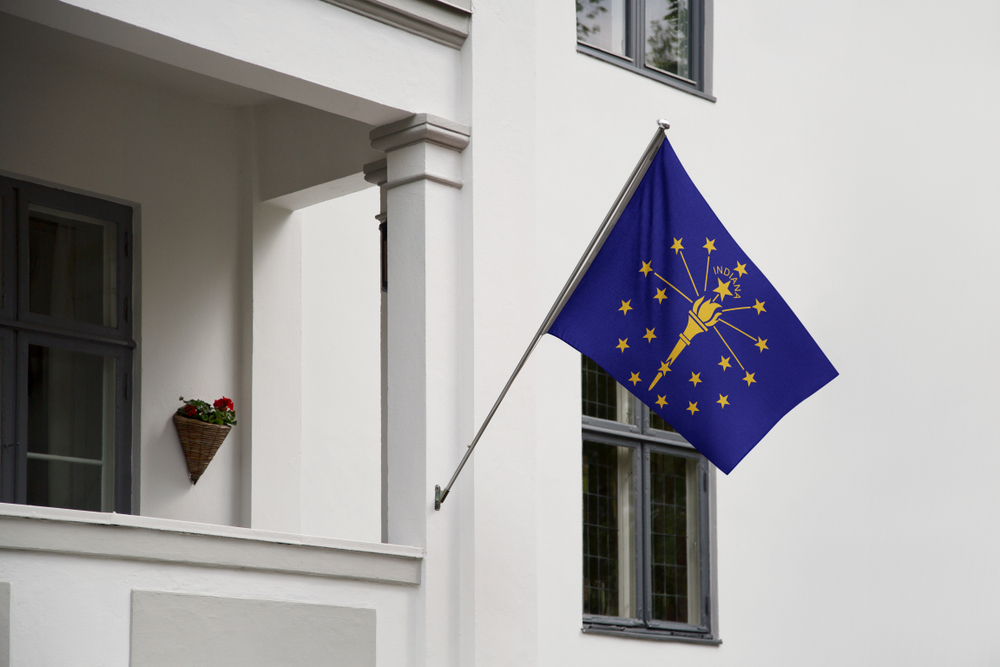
[[676, 312]]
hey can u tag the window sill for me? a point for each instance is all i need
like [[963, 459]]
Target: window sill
[[611, 429], [139, 538], [653, 635], [679, 84]]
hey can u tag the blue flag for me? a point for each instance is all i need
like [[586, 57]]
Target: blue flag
[[675, 311]]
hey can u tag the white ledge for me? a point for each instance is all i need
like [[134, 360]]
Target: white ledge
[[139, 538], [436, 20]]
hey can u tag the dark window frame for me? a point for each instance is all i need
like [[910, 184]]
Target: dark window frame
[[644, 440], [20, 328], [700, 82]]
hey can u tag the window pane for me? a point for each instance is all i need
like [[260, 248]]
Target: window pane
[[668, 36], [55, 483], [674, 548], [608, 530], [602, 23], [604, 398], [3, 212], [72, 267], [656, 421], [71, 428]]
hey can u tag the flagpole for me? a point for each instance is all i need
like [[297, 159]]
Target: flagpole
[[567, 291]]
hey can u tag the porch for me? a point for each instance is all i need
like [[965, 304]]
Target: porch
[[257, 186]]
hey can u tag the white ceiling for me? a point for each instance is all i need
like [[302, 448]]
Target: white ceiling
[[62, 45]]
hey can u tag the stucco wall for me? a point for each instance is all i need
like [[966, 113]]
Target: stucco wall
[[850, 157], [240, 632], [78, 584], [856, 167]]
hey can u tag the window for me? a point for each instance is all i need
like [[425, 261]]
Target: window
[[668, 40], [65, 349], [646, 532]]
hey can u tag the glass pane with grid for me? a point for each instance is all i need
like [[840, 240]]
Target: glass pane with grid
[[71, 429], [673, 538], [656, 422], [668, 36], [72, 269], [608, 530], [603, 24], [603, 398], [600, 392]]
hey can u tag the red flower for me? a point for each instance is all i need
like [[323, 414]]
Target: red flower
[[224, 404], [190, 411]]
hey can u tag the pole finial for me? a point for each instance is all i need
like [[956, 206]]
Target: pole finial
[[663, 123]]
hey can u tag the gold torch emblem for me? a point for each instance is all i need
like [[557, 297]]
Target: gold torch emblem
[[703, 314]]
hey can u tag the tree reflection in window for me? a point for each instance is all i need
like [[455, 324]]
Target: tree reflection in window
[[668, 31]]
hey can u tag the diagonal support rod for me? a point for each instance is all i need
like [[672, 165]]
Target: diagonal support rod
[[567, 291]]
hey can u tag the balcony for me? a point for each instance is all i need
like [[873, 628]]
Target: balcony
[[108, 588]]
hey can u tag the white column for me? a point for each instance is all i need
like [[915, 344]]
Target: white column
[[428, 295], [275, 484], [271, 468]]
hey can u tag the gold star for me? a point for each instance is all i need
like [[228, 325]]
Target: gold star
[[723, 400], [661, 401], [695, 378], [723, 289], [626, 306], [692, 408], [622, 345], [650, 335], [677, 246], [749, 379], [646, 269], [709, 245], [664, 368], [761, 343], [661, 294], [741, 269], [725, 363], [634, 379], [759, 306]]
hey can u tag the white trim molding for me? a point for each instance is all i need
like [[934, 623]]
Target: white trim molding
[[4, 624], [137, 538], [424, 147], [421, 127], [438, 21]]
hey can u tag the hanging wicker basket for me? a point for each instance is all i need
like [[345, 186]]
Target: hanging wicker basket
[[200, 440]]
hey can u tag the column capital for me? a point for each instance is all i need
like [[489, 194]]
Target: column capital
[[377, 172], [421, 127]]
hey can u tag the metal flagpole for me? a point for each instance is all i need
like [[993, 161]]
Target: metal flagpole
[[567, 291]]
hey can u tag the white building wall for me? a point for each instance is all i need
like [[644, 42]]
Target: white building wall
[[853, 161], [850, 152], [506, 183], [73, 578]]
